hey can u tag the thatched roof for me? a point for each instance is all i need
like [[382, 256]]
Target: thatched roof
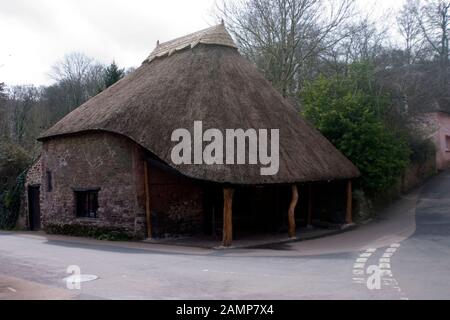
[[210, 82]]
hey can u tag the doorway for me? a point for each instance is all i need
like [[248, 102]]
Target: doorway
[[34, 207]]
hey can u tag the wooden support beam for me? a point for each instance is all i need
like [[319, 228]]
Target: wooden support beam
[[349, 213], [309, 206], [227, 217], [291, 213], [147, 201]]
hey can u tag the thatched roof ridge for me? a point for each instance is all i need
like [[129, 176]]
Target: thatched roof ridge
[[215, 35], [214, 84]]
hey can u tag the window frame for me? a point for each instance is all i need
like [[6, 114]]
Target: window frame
[[91, 203], [49, 181], [447, 143]]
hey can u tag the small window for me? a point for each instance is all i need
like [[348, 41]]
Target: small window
[[49, 181], [86, 203], [447, 143]]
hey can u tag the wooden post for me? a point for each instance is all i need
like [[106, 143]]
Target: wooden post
[[309, 206], [147, 201], [227, 217], [348, 216], [291, 213]]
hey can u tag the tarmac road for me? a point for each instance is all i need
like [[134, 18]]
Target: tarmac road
[[404, 254]]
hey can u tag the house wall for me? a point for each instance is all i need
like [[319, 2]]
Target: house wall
[[443, 141], [112, 163], [436, 126], [176, 202]]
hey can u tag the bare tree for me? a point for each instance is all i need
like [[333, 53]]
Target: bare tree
[[80, 74], [22, 100], [280, 36], [3, 112], [411, 31], [2, 92], [365, 41], [434, 20]]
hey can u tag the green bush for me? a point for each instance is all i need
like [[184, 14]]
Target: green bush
[[10, 201], [421, 149], [90, 231], [349, 114], [13, 162]]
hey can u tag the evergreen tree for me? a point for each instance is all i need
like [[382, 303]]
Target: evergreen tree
[[349, 112], [113, 74]]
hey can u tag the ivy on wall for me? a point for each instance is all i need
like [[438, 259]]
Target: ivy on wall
[[10, 200]]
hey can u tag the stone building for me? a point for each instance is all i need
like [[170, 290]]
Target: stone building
[[436, 126], [30, 217], [108, 164]]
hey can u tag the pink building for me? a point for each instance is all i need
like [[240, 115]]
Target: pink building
[[437, 127]]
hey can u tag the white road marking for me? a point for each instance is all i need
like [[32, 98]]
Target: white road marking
[[359, 281], [387, 273], [11, 289], [387, 278]]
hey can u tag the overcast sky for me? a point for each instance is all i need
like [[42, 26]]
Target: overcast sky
[[37, 33]]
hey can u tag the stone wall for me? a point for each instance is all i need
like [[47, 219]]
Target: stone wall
[[97, 160], [436, 126], [176, 203], [443, 141], [33, 178], [417, 173]]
